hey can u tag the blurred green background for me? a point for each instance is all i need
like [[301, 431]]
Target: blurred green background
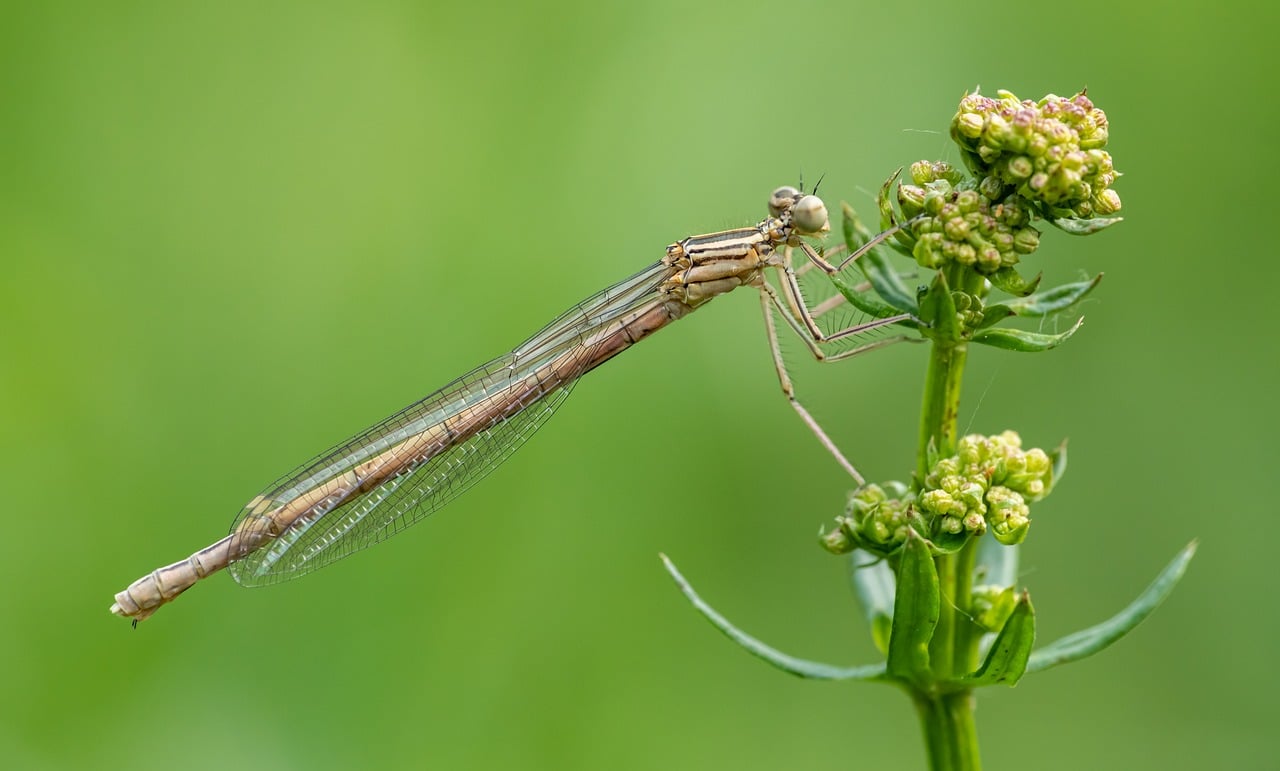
[[232, 234]]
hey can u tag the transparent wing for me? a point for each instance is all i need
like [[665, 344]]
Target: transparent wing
[[394, 505], [394, 474]]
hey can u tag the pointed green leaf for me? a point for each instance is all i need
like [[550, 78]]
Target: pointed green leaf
[[938, 311], [863, 301], [1058, 457], [1002, 607], [1053, 300], [799, 667], [855, 234], [1022, 341], [994, 314], [1083, 227], [886, 281], [1089, 641], [903, 245], [875, 266], [1010, 281], [1007, 660], [874, 585], [884, 201], [946, 543], [915, 612]]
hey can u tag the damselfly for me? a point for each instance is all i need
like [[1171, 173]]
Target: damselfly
[[394, 474]]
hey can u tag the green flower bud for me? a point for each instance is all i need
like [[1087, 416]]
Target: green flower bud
[[975, 524], [928, 251], [969, 125], [1098, 162], [1037, 461], [1023, 123], [989, 260], [1037, 146], [1106, 203], [997, 132], [921, 172], [934, 201], [956, 229], [926, 172], [911, 199], [941, 502], [991, 188], [1019, 167], [1013, 534], [971, 496], [1026, 240], [837, 541], [1007, 512]]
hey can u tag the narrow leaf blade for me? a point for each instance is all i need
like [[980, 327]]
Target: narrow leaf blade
[[884, 201], [875, 266], [1058, 457], [994, 314], [1009, 280], [1079, 227], [863, 301], [938, 311], [1089, 641], [915, 612], [1052, 300], [1022, 341], [1006, 661], [796, 666]]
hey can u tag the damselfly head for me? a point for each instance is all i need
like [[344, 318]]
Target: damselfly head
[[809, 215]]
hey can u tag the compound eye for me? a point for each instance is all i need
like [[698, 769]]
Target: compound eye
[[782, 199], [809, 215]]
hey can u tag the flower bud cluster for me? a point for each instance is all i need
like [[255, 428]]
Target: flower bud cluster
[[875, 519], [987, 483], [986, 228], [1048, 151]]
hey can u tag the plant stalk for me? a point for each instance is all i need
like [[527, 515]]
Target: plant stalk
[[948, 719], [950, 734]]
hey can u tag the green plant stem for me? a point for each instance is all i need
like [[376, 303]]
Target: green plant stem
[[949, 732], [941, 402], [948, 719], [967, 634]]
